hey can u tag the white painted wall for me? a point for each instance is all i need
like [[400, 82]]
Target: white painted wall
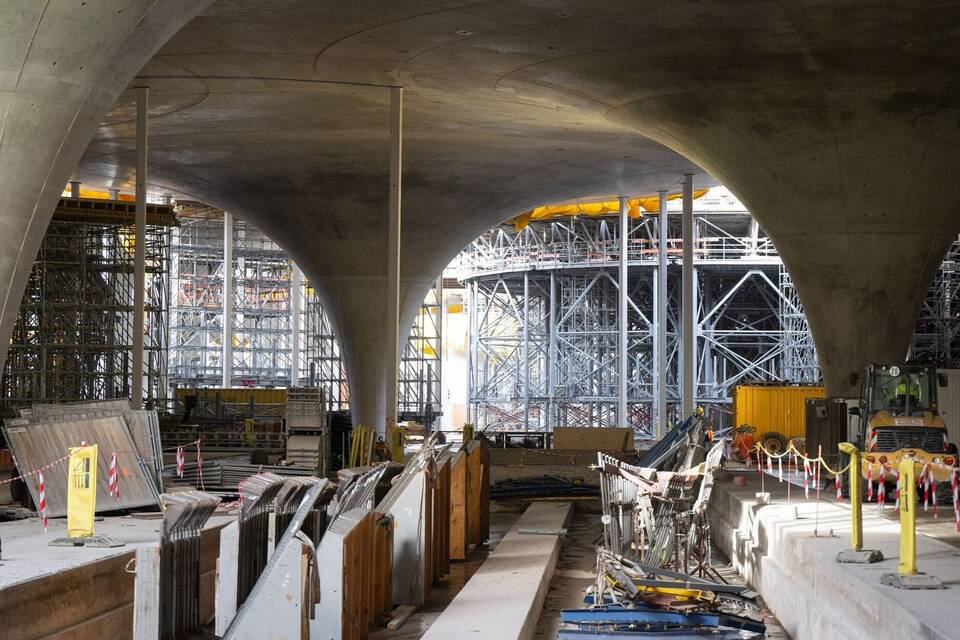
[[949, 401]]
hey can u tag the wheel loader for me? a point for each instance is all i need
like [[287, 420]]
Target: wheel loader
[[899, 418]]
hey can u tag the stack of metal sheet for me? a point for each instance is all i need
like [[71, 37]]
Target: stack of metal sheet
[[359, 492], [288, 501], [38, 440], [256, 494], [183, 519], [281, 602], [223, 476]]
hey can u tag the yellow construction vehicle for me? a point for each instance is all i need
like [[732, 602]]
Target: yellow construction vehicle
[[899, 419]]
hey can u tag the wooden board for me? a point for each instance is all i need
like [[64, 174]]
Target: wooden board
[[597, 438], [475, 466], [367, 575], [441, 521], [459, 489]]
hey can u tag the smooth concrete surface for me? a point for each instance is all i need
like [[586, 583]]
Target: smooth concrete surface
[[503, 515], [503, 599], [27, 556], [812, 595], [62, 66], [835, 122], [67, 593]]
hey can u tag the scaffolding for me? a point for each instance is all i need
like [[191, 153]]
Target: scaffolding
[[262, 327], [544, 319], [937, 335], [73, 338]]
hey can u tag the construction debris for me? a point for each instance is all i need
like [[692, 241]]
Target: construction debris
[[654, 575]]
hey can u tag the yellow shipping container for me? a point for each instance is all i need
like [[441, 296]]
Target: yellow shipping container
[[239, 395], [774, 408]]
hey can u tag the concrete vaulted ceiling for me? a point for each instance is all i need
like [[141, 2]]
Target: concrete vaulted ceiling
[[837, 123]]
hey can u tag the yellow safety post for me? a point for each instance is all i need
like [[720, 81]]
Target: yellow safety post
[[467, 432], [907, 576], [908, 518], [856, 497], [856, 555]]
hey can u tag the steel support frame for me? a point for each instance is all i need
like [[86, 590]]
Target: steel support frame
[[573, 277]]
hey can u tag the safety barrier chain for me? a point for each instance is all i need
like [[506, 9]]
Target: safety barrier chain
[[812, 466]]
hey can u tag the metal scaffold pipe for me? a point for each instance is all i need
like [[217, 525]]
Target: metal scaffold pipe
[[227, 330], [296, 284], [662, 300], [392, 318], [622, 325], [689, 305], [139, 251]]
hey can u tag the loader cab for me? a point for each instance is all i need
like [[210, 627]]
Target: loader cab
[[902, 391], [899, 409]]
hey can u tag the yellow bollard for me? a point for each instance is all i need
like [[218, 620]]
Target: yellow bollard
[[907, 576], [858, 555], [908, 518], [856, 497]]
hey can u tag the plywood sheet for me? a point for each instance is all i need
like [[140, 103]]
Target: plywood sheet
[[598, 438]]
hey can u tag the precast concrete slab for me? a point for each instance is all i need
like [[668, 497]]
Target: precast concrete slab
[[502, 601], [775, 549]]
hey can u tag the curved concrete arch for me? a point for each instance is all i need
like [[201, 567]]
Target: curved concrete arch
[[831, 120], [62, 65]]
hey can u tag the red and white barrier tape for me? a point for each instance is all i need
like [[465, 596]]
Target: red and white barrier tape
[[200, 466], [42, 507], [113, 478], [36, 471]]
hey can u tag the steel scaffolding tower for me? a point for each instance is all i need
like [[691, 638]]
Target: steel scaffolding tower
[[545, 320], [262, 328], [937, 335], [74, 333]]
